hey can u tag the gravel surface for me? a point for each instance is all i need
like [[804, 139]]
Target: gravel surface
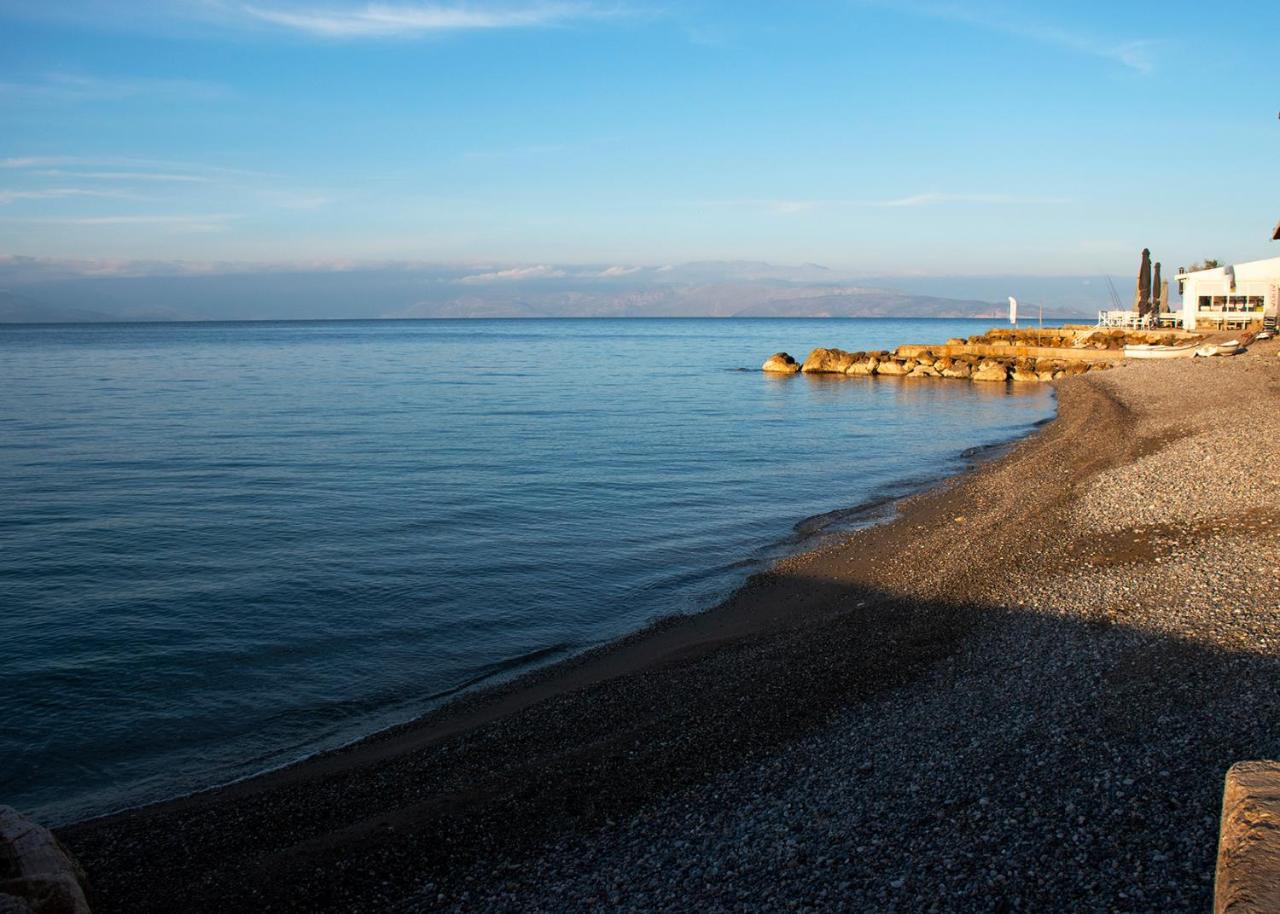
[[1020, 696], [1069, 758]]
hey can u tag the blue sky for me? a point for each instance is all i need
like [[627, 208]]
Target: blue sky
[[900, 136]]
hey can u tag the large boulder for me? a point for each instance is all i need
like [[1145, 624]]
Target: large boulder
[[1247, 880], [893, 367], [37, 874], [958, 369], [990, 371], [827, 361], [780, 363], [1024, 371], [864, 366]]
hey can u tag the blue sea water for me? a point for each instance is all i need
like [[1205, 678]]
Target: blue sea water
[[225, 546]]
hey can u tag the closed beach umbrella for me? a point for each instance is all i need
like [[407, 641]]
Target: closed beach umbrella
[[1155, 291], [1144, 283]]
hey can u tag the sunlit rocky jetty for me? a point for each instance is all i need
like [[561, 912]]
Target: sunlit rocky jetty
[[1000, 355]]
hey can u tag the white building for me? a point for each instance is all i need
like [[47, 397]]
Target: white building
[[1229, 297]]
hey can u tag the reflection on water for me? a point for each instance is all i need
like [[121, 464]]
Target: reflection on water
[[226, 545]]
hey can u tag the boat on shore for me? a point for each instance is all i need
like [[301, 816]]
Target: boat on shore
[[1150, 351], [1230, 347]]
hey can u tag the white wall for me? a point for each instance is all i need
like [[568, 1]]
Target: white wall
[[1257, 277]]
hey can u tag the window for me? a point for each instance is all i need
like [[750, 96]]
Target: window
[[1204, 303], [1244, 303]]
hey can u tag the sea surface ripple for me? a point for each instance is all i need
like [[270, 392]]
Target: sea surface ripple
[[225, 546]]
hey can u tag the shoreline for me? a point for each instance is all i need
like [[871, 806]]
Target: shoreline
[[595, 740], [877, 510]]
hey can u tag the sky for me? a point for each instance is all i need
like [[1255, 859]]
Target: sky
[[876, 136]]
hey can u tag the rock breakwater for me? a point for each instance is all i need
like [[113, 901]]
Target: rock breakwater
[[1000, 354], [925, 363]]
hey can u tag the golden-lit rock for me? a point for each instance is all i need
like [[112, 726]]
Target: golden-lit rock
[[827, 361], [780, 363]]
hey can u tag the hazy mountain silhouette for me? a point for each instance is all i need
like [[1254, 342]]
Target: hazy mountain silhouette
[[37, 290]]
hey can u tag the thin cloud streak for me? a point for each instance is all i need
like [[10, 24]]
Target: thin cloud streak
[[790, 207], [981, 199], [185, 185], [380, 20], [56, 193], [129, 162], [1134, 54], [123, 176], [76, 87], [212, 222]]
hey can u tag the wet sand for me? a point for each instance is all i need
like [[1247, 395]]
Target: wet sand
[[1019, 695]]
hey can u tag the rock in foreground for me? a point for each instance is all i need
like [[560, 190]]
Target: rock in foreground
[[1248, 876], [37, 875]]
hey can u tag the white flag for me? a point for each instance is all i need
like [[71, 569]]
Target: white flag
[[1013, 310]]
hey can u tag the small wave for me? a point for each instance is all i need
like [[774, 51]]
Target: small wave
[[506, 665], [875, 509], [983, 452]]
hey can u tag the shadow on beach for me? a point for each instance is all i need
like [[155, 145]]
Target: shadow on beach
[[1087, 765]]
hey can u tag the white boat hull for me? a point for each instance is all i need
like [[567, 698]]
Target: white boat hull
[[1145, 351], [1205, 352]]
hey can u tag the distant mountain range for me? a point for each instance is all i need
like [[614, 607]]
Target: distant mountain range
[[761, 298], [33, 290]]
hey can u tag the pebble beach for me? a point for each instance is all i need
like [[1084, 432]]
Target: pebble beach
[[1021, 694]]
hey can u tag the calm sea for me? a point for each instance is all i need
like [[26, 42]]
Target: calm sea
[[226, 546]]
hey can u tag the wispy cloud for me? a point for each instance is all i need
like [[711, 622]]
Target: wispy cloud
[[978, 199], [186, 187], [208, 222], [131, 167], [792, 207], [377, 20], [75, 87], [1136, 54], [56, 193], [542, 271], [165, 177]]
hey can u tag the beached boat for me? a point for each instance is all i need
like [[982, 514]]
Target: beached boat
[[1149, 351], [1231, 347]]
